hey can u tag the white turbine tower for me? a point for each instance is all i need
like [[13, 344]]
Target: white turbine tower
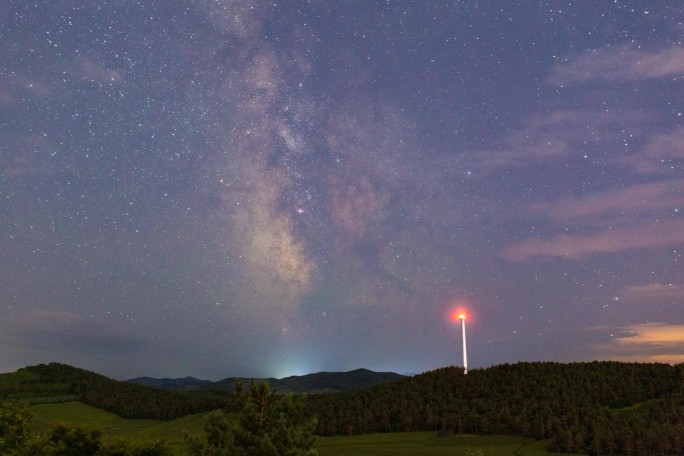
[[462, 317]]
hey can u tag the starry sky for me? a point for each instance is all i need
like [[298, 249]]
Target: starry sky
[[268, 188]]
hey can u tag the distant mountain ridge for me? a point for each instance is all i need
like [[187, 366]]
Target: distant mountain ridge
[[185, 383], [320, 382]]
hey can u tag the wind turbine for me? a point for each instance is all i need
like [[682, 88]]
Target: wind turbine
[[462, 317]]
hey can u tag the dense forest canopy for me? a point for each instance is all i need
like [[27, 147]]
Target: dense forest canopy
[[598, 407]]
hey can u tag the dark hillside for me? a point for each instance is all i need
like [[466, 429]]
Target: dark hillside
[[127, 400], [335, 381], [321, 382], [578, 405], [27, 386]]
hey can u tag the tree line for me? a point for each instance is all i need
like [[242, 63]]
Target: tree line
[[45, 381], [594, 408]]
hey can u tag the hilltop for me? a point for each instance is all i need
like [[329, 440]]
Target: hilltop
[[57, 382], [595, 408], [320, 382]]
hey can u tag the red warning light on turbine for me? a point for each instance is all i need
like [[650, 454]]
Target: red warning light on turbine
[[459, 315]]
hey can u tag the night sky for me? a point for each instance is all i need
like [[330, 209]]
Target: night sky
[[268, 188]]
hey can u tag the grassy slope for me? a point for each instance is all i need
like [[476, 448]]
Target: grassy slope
[[46, 416], [399, 444]]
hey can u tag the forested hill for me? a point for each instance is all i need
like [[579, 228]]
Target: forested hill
[[59, 382], [598, 407], [321, 382]]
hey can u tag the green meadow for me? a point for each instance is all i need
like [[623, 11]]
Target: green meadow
[[46, 416], [395, 444]]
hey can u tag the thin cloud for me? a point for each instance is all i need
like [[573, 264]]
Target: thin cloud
[[93, 71], [654, 292], [522, 154], [645, 342], [667, 145], [60, 330], [622, 63], [652, 334], [637, 199], [547, 138], [578, 246], [16, 88], [661, 155]]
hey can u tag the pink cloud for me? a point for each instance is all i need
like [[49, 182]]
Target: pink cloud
[[638, 199], [652, 334], [667, 145], [15, 87], [626, 63], [95, 72], [519, 154], [653, 292], [660, 154], [646, 342], [556, 135], [577, 246]]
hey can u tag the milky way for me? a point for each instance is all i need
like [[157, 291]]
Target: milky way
[[235, 187]]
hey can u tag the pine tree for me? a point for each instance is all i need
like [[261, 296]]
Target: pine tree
[[14, 431], [267, 425]]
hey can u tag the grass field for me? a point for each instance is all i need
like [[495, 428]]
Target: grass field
[[47, 416]]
